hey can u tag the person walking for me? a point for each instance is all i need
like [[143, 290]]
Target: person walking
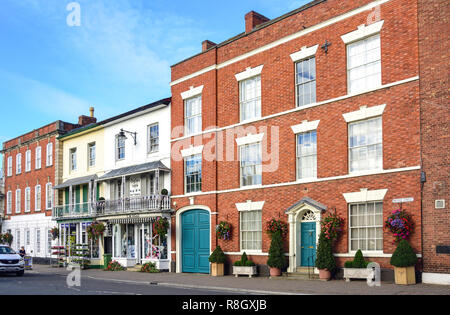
[[22, 252]]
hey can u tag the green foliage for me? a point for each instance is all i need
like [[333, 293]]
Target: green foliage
[[149, 268], [404, 255], [244, 262], [276, 252], [357, 262], [325, 258], [114, 266], [217, 256]]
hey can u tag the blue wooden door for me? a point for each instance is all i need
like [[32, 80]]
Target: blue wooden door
[[195, 241], [308, 244]]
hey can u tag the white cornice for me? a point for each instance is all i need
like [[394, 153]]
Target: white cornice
[[250, 139], [305, 126], [362, 32], [250, 206], [364, 113], [249, 73], [365, 195], [192, 151], [304, 53], [192, 92]]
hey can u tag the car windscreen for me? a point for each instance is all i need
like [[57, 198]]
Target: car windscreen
[[6, 250]]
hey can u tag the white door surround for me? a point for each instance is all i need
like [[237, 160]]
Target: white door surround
[[306, 210]]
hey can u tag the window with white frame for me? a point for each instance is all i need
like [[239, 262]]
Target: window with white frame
[[73, 159], [10, 166], [153, 138], [307, 155], [120, 148], [49, 241], [27, 237], [49, 196], [193, 173], [18, 201], [27, 199], [49, 152], [28, 161], [305, 80], [18, 239], [366, 226], [19, 163], [366, 145], [250, 98], [9, 202], [38, 240], [38, 158], [251, 230], [364, 64], [193, 115], [91, 154], [251, 164], [37, 198]]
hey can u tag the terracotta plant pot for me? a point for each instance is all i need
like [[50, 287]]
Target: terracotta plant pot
[[324, 275], [275, 272]]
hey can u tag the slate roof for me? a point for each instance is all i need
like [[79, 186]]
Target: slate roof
[[76, 181], [135, 169], [310, 202]]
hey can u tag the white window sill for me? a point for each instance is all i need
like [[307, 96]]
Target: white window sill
[[252, 187]]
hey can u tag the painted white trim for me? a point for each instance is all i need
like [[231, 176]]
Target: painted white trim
[[367, 254], [249, 73], [284, 40], [436, 278], [304, 181], [305, 126], [192, 92], [178, 231], [192, 151], [363, 31], [365, 195], [250, 206], [249, 253], [304, 53], [364, 113], [297, 109], [250, 139]]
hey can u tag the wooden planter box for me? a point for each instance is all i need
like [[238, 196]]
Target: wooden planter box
[[217, 270], [357, 273], [405, 275], [245, 271]]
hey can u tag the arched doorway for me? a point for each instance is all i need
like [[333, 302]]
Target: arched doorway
[[195, 241]]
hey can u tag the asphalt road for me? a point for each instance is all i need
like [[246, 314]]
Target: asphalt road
[[35, 283]]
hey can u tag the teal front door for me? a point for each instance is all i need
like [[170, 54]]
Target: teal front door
[[195, 241], [308, 244]]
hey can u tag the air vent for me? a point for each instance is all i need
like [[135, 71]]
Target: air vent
[[439, 204]]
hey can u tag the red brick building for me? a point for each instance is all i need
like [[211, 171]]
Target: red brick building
[[315, 111], [32, 166]]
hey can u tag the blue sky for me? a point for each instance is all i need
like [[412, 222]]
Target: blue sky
[[117, 60]]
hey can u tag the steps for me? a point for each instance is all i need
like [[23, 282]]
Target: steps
[[302, 273]]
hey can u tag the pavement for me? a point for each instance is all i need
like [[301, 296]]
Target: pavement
[[245, 285]]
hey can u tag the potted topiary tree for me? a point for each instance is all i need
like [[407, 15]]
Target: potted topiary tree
[[276, 260], [404, 260], [217, 260], [325, 260], [244, 267], [357, 269]]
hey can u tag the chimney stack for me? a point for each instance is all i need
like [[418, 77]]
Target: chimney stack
[[87, 120], [207, 44], [253, 19]]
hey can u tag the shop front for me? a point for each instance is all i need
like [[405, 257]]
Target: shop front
[[136, 240]]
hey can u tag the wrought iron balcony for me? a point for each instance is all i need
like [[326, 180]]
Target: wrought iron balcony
[[133, 205], [74, 211]]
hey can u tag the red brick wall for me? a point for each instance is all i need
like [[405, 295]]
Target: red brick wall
[[435, 121], [220, 101]]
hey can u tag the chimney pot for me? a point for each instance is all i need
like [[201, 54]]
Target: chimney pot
[[253, 19], [91, 110]]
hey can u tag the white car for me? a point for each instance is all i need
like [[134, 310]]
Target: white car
[[10, 262]]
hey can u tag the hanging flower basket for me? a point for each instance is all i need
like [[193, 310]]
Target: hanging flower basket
[[400, 224], [6, 238], [223, 231], [332, 226], [95, 231], [274, 226], [161, 226], [55, 233]]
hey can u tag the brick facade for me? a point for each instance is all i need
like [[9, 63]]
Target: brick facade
[[435, 120], [271, 45]]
